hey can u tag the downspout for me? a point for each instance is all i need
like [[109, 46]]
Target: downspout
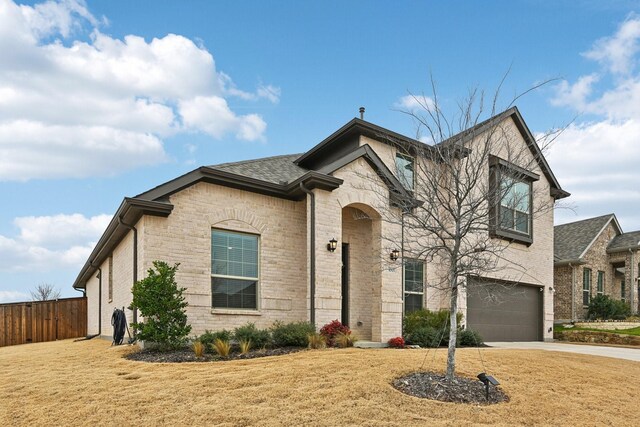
[[573, 293], [135, 263], [312, 255], [632, 284], [99, 297]]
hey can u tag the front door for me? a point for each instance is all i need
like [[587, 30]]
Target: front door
[[345, 284]]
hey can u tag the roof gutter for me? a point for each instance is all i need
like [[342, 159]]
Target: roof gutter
[[569, 262], [312, 254]]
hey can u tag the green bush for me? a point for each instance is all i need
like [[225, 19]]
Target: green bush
[[208, 338], [438, 320], [469, 338], [259, 337], [162, 306], [604, 308], [294, 334], [425, 336]]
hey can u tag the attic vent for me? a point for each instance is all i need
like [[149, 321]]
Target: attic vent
[[361, 113]]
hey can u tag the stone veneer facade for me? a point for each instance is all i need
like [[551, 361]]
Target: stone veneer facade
[[349, 213]]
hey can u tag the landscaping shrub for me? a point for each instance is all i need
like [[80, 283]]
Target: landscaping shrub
[[316, 341], [294, 334], [604, 308], [397, 342], [418, 319], [469, 338], [331, 329], [162, 306], [208, 338], [259, 337], [425, 336]]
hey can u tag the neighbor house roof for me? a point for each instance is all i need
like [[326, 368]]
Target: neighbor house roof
[[573, 240], [624, 242]]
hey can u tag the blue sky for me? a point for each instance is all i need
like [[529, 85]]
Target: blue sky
[[102, 100]]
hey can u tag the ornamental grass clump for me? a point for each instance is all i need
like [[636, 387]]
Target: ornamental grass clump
[[198, 349], [245, 346], [316, 341], [222, 348], [344, 340]]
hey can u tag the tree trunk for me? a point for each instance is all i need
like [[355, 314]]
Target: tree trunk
[[453, 331]]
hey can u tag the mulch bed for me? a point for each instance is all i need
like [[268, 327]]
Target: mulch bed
[[434, 386], [187, 355]]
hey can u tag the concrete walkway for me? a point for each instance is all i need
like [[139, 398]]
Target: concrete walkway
[[593, 350]]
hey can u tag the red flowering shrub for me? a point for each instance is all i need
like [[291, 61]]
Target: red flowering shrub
[[333, 328], [397, 342]]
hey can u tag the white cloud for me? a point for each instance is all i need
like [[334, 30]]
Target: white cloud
[[597, 160], [79, 108], [618, 52], [414, 102], [13, 296], [49, 242]]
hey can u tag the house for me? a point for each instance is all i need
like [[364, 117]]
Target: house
[[594, 257], [301, 237]]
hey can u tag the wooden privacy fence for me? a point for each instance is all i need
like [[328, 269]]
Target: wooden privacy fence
[[39, 321]]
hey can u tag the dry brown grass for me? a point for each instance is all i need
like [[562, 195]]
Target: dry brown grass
[[89, 383]]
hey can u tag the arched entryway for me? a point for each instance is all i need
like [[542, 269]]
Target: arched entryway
[[361, 270]]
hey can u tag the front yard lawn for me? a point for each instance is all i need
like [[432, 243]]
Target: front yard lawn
[[89, 383]]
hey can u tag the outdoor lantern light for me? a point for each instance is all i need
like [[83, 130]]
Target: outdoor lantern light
[[332, 245], [395, 254], [486, 380]]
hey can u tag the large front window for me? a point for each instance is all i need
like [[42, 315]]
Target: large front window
[[515, 206], [405, 170], [234, 270], [413, 285]]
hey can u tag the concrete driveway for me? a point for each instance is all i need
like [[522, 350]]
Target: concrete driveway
[[593, 350]]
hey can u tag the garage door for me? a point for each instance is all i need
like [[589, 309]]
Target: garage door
[[505, 312]]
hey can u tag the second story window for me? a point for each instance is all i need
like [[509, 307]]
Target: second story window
[[511, 190], [405, 166]]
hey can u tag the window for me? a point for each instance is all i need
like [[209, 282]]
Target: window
[[586, 286], [623, 291], [413, 285], [512, 189], [234, 270], [600, 284], [405, 170], [110, 278], [515, 209]]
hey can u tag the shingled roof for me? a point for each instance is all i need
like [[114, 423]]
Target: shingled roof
[[277, 169], [572, 240], [624, 242]]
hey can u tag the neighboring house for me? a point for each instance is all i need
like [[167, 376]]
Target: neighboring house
[[594, 257], [299, 237]]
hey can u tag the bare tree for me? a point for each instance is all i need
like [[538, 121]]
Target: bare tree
[[473, 194], [44, 292]]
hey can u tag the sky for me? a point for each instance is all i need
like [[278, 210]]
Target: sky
[[101, 100]]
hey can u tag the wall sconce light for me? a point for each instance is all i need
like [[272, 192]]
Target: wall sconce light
[[550, 289], [395, 254], [332, 245]]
